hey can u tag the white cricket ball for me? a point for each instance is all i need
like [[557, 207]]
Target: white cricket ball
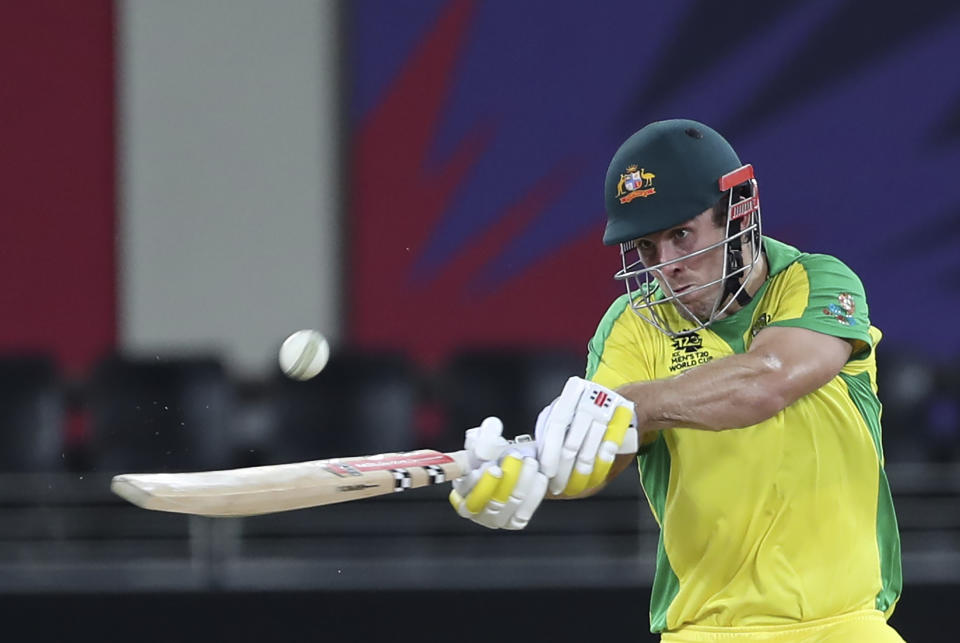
[[304, 354]]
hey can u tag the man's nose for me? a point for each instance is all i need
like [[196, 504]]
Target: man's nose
[[670, 253]]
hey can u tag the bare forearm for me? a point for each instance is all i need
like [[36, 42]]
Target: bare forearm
[[732, 392]]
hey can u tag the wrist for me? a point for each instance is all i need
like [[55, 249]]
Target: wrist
[[634, 392]]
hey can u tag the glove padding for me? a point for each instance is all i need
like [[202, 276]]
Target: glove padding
[[579, 434], [504, 486]]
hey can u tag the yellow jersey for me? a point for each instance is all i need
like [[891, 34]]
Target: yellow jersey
[[786, 521]]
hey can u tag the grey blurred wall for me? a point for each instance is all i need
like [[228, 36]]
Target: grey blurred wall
[[228, 175]]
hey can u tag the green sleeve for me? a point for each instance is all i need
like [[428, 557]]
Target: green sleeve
[[598, 343]]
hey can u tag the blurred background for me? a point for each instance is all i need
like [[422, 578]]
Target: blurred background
[[184, 183]]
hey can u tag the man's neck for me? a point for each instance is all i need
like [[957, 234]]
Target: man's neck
[[755, 280]]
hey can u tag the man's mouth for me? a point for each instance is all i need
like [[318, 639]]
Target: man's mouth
[[679, 289]]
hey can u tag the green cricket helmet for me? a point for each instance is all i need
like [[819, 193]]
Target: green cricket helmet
[[664, 175]]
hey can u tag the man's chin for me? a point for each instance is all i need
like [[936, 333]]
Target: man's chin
[[693, 311], [692, 316]]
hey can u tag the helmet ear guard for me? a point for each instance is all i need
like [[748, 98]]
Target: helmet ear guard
[[741, 185], [743, 200]]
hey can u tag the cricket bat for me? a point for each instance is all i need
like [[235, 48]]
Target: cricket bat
[[252, 491]]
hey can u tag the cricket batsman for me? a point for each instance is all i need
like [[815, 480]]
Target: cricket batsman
[[740, 374]]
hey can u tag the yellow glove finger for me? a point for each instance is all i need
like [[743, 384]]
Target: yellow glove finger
[[618, 425], [511, 466], [615, 433], [456, 500], [483, 491], [577, 483], [601, 468]]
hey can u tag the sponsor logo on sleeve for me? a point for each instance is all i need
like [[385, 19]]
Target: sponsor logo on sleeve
[[760, 324], [843, 310]]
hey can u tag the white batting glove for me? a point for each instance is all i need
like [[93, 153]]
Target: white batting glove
[[504, 487], [579, 434]]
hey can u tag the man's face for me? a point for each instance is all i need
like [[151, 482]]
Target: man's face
[[683, 276]]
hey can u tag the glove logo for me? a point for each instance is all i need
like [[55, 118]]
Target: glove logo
[[600, 398], [637, 182]]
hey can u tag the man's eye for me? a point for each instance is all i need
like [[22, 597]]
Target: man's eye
[[644, 246], [682, 233]]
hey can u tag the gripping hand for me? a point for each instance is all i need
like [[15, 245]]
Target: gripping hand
[[579, 434], [504, 486]]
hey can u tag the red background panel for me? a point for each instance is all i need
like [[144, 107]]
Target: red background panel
[[57, 264]]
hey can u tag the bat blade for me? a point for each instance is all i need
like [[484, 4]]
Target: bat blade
[[266, 489]]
